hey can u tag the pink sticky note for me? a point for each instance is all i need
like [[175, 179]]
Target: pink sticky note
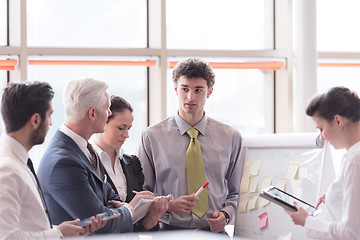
[[263, 220]]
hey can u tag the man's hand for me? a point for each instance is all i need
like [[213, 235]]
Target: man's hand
[[70, 228], [116, 204], [218, 222], [159, 206], [298, 217], [183, 204]]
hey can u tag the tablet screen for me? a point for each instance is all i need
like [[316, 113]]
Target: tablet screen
[[109, 214], [289, 199]]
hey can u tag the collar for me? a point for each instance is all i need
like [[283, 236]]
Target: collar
[[119, 152], [184, 126], [80, 141], [353, 148], [16, 147]]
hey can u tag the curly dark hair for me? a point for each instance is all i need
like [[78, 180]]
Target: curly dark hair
[[194, 68]]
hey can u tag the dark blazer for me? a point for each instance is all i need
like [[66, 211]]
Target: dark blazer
[[73, 189], [133, 173], [134, 181]]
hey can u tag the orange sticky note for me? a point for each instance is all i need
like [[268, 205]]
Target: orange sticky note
[[263, 220]]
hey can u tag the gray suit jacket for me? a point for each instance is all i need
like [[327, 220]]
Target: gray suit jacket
[[73, 189]]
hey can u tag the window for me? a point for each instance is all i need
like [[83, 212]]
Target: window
[[128, 82], [3, 83], [337, 25], [118, 30], [3, 22], [87, 23], [213, 24], [339, 76], [240, 98]]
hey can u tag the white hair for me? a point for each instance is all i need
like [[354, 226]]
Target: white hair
[[82, 94]]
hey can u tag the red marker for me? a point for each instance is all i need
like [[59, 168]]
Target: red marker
[[201, 188]]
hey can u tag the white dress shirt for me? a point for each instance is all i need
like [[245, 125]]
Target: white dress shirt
[[118, 177], [80, 141], [22, 214], [342, 203]]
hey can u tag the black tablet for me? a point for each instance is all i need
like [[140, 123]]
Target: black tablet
[[287, 200], [109, 214]]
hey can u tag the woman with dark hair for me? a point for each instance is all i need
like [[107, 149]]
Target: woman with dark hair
[[337, 115], [124, 171]]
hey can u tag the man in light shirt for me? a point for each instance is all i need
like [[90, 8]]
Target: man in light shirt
[[163, 151], [26, 109], [70, 172]]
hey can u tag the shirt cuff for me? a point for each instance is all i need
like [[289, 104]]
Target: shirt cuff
[[53, 233], [129, 207]]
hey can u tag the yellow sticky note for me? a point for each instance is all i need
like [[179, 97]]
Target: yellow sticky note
[[252, 201], [253, 184], [266, 182], [245, 180], [243, 204], [281, 183], [247, 164], [254, 169], [293, 169]]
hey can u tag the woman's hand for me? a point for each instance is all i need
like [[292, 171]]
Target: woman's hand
[[321, 200], [298, 217]]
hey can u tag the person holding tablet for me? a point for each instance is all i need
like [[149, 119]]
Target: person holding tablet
[[337, 115], [26, 110], [124, 171]]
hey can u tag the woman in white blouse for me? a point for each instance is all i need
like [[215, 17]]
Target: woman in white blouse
[[124, 171], [337, 115]]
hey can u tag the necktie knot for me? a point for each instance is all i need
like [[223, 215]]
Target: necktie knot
[[89, 147], [192, 132]]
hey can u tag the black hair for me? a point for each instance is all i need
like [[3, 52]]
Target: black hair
[[22, 100]]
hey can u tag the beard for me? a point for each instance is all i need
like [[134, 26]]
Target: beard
[[39, 134]]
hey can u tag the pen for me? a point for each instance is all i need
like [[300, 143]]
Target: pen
[[201, 188], [169, 195]]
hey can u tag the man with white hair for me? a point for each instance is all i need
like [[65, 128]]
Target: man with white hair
[[70, 173], [26, 109]]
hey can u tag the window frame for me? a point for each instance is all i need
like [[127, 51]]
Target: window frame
[[279, 86]]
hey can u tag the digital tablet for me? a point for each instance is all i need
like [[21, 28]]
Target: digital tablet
[[109, 214], [287, 200]]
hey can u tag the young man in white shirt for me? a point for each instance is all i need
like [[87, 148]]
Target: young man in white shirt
[[26, 109]]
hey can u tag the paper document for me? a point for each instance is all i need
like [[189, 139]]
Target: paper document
[[141, 209]]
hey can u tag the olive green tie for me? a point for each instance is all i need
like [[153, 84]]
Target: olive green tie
[[195, 173]]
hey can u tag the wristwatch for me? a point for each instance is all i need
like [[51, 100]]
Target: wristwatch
[[226, 216]]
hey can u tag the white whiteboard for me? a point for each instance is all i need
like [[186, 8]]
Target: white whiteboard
[[275, 151]]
